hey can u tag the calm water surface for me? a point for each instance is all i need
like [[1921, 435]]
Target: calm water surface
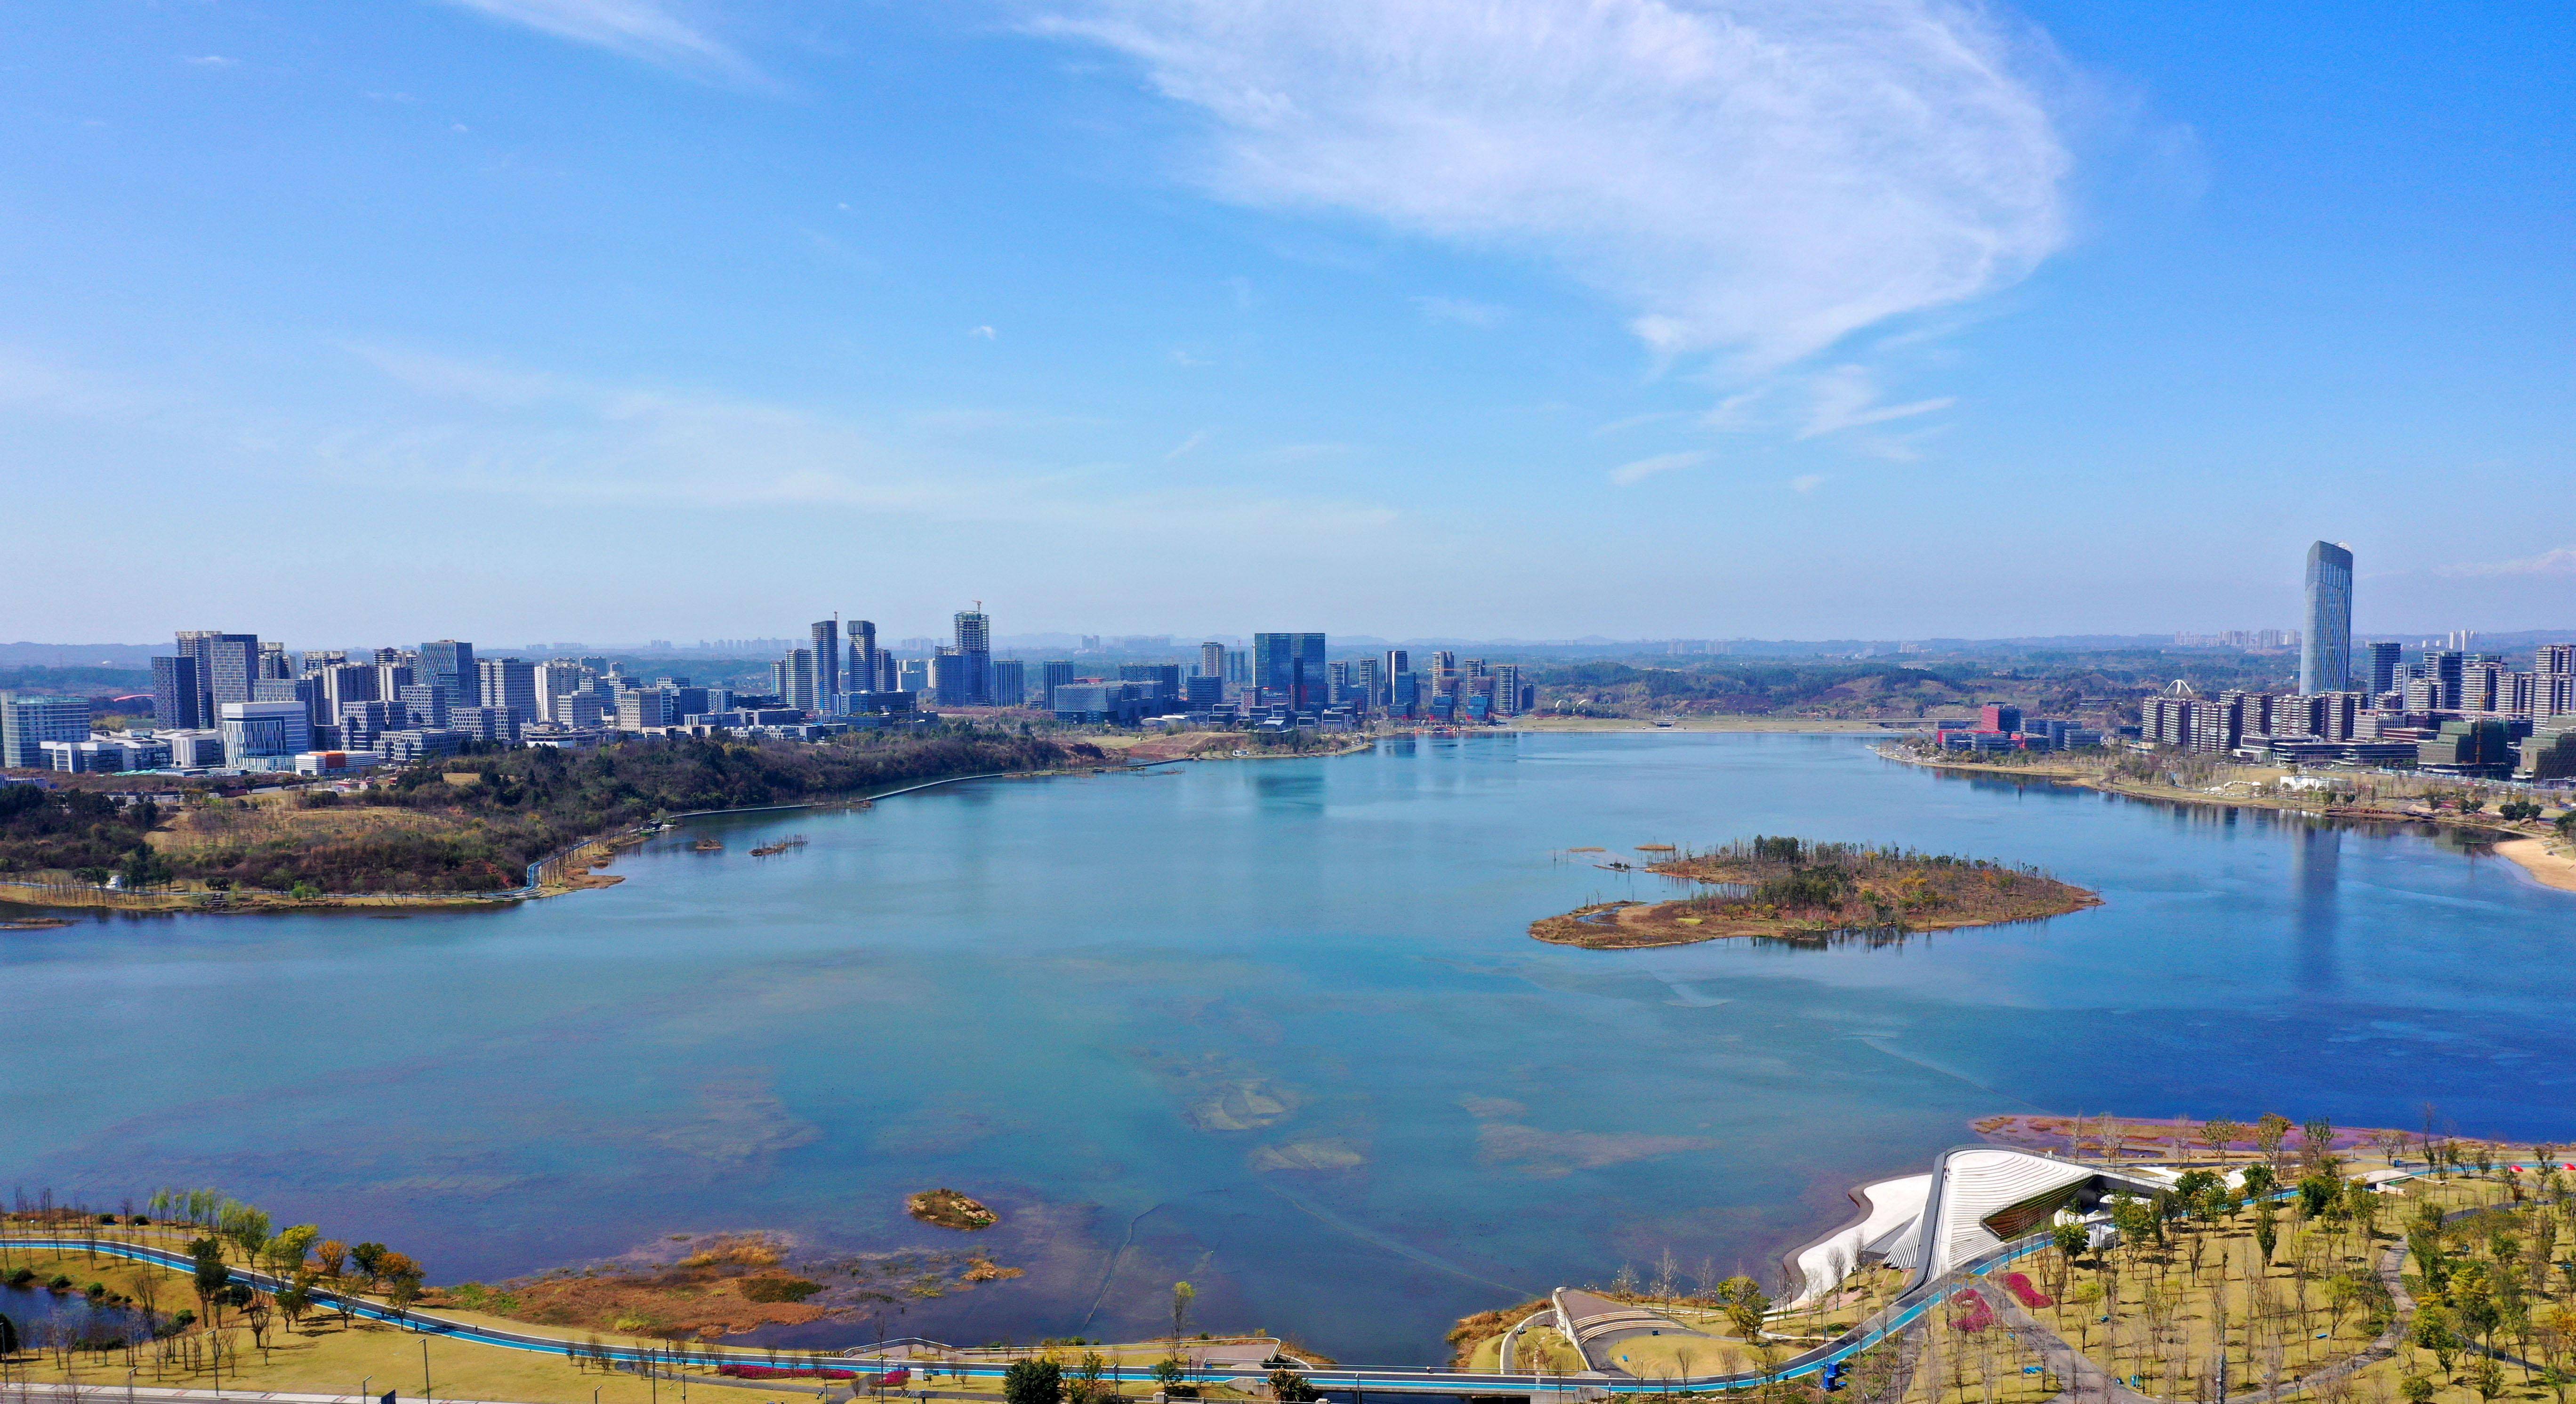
[[1273, 1027]]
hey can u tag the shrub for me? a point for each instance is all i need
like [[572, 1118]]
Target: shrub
[[778, 1289]]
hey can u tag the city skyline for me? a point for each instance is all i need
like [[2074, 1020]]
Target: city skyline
[[731, 290]]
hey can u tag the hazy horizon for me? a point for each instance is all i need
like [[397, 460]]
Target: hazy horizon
[[1532, 319]]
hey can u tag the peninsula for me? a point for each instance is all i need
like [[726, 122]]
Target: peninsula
[[454, 830], [1796, 888]]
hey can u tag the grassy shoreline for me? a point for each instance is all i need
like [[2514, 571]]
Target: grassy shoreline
[[568, 871], [2532, 848]]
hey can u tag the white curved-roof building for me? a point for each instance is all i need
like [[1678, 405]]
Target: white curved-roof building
[[1976, 1198]]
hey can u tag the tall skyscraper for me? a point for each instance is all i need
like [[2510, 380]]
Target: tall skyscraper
[[1010, 682], [1397, 663], [510, 684], [1052, 675], [796, 680], [177, 700], [827, 660], [975, 652], [272, 660], [866, 672], [2384, 658], [227, 665], [2325, 646], [449, 664], [1212, 660], [2447, 670], [2556, 660], [1290, 668]]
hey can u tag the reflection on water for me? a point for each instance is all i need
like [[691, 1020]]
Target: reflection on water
[[1275, 1028], [2313, 850]]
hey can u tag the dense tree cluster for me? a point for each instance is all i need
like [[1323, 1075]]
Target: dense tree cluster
[[76, 830], [491, 814]]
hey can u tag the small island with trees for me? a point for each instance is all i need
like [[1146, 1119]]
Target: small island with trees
[[1800, 889]]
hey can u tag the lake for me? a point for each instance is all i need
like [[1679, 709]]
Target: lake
[[1274, 1027]]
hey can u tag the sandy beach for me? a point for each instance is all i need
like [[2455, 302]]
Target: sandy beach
[[2549, 869]]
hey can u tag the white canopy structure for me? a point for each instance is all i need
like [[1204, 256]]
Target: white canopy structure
[[1976, 1198]]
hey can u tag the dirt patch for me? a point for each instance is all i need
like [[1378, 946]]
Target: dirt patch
[[719, 1285], [950, 1210]]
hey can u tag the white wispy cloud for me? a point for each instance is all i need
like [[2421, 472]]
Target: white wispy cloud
[[1758, 177], [1644, 468], [1466, 312], [650, 31], [210, 61], [506, 432], [1847, 397], [1190, 445], [2561, 561], [1806, 482], [985, 333]]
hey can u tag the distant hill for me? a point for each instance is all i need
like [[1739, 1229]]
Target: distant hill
[[46, 655]]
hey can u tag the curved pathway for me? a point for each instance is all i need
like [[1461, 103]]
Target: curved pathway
[[1890, 1322]]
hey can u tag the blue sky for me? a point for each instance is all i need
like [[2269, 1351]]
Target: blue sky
[[607, 319]]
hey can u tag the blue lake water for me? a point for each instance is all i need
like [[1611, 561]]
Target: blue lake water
[[1274, 1027]]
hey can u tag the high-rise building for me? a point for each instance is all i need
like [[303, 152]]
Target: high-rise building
[[1010, 682], [1212, 660], [796, 680], [1164, 677], [29, 720], [949, 682], [449, 664], [510, 684], [975, 650], [1366, 683], [2557, 658], [1289, 668], [424, 704], [2447, 670], [1507, 689], [272, 660], [227, 665], [556, 682], [827, 661], [264, 735], [177, 699], [1051, 675], [1396, 664], [912, 675], [2384, 657], [866, 672], [2325, 646], [344, 683]]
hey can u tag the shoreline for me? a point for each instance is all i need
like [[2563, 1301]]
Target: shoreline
[[2534, 857], [1733, 724], [2527, 851], [577, 870]]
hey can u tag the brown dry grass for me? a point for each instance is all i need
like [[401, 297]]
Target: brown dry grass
[[1888, 892]]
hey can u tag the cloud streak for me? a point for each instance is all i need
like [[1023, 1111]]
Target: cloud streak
[[648, 31], [504, 432], [1758, 178], [2561, 561], [1644, 468]]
